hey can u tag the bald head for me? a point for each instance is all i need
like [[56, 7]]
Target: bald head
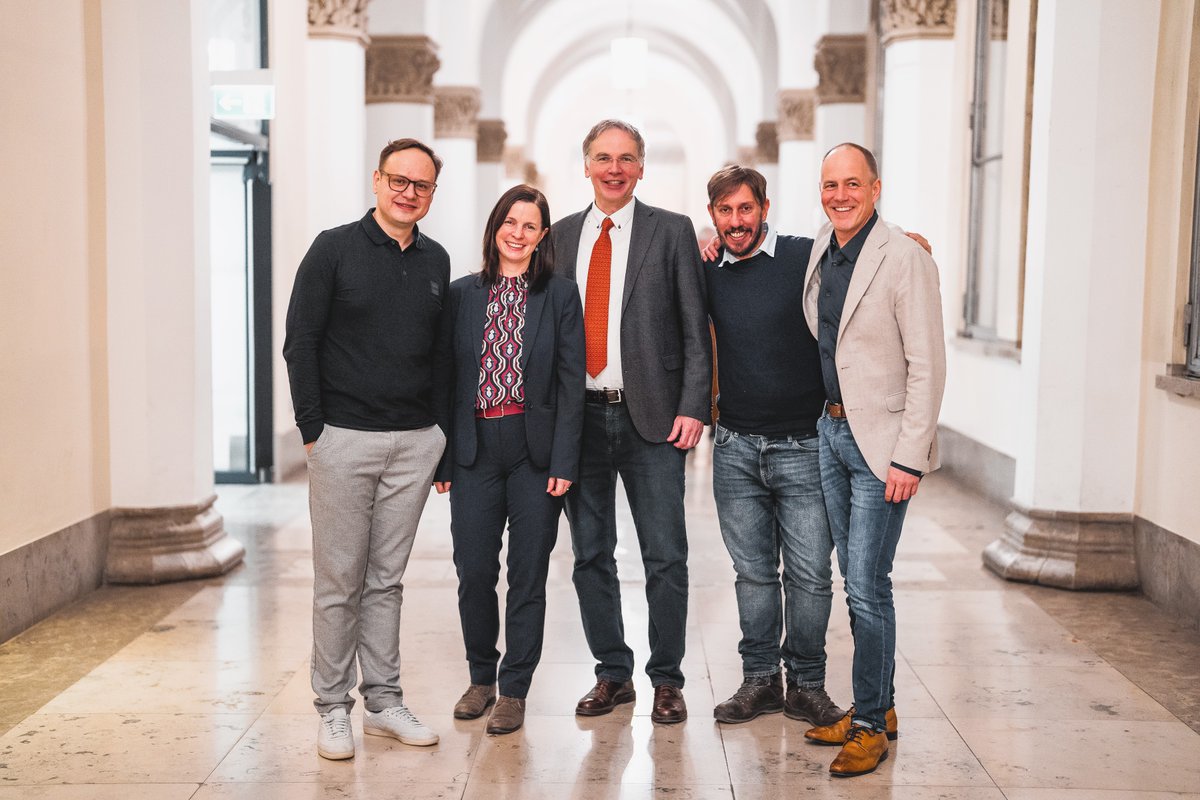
[[849, 189]]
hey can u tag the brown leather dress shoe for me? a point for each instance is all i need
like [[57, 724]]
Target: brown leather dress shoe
[[863, 751], [835, 734], [475, 701], [604, 697], [507, 716], [669, 706]]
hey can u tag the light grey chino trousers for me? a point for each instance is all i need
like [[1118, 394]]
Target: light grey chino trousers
[[366, 493]]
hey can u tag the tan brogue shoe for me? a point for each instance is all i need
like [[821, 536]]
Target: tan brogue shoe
[[835, 734], [507, 716], [475, 701], [604, 697], [863, 751]]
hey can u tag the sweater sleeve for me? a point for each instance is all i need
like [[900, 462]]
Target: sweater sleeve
[[307, 318]]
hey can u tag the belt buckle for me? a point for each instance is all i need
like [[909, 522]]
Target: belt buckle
[[488, 415], [612, 396]]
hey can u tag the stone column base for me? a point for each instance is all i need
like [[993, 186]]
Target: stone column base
[[1068, 550], [174, 543]]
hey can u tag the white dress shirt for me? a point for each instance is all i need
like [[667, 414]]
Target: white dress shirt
[[609, 377]]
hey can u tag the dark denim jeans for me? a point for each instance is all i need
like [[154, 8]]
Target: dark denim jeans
[[769, 503], [866, 530], [652, 475]]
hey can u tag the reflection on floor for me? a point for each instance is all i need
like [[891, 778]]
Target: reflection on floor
[[200, 690]]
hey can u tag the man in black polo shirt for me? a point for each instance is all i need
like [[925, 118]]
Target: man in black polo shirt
[[766, 473], [368, 361]]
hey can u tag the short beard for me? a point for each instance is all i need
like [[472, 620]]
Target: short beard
[[754, 240]]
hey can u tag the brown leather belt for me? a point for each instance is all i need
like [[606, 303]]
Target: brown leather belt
[[835, 410], [496, 412]]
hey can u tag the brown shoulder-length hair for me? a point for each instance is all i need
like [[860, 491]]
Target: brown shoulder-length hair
[[541, 264]]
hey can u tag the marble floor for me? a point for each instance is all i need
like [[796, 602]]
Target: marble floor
[[200, 690]]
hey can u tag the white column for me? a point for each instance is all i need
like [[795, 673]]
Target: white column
[[797, 208], [452, 216], [336, 117], [164, 526], [399, 94], [840, 111], [1080, 366], [489, 172]]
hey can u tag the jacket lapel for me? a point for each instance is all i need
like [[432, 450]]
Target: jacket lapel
[[864, 271], [476, 310], [645, 221], [534, 304]]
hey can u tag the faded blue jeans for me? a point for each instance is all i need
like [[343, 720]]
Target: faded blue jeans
[[768, 494], [866, 530]]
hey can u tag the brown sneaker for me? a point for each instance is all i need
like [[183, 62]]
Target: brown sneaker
[[811, 705], [475, 701], [669, 706], [863, 751], [604, 697], [835, 734], [758, 695], [507, 716]]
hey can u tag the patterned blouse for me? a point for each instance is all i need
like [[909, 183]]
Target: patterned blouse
[[500, 378]]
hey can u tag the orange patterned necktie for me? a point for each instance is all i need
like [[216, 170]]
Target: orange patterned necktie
[[595, 304]]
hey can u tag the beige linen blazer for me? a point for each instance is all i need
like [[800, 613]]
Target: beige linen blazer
[[891, 350]]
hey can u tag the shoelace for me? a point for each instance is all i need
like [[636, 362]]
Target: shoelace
[[858, 732], [401, 713], [338, 726], [747, 691]]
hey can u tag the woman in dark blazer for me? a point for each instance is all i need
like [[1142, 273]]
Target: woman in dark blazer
[[514, 445]]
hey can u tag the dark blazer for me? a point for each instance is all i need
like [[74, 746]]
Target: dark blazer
[[666, 352], [552, 362]]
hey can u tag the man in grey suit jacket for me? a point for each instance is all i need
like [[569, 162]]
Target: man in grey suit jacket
[[872, 301], [649, 362]]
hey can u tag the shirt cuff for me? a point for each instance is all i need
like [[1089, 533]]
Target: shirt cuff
[[909, 470]]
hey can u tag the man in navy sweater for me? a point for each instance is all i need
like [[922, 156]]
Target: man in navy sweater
[[766, 475]]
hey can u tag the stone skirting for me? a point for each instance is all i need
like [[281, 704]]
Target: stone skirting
[[984, 470], [157, 545], [1066, 549], [51, 572], [1168, 568]]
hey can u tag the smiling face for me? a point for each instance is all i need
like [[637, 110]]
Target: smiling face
[[519, 232], [615, 168], [848, 191], [401, 210], [739, 219]]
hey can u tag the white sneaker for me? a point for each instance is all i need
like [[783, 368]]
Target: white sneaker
[[399, 723], [335, 738]]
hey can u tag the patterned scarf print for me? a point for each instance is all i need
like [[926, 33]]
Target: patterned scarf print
[[500, 378]]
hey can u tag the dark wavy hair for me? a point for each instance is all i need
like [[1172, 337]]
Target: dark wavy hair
[[541, 264]]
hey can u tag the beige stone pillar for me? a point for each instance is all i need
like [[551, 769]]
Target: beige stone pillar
[[399, 92], [489, 147], [796, 196], [452, 217]]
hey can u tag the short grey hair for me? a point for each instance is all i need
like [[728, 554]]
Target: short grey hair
[[607, 125]]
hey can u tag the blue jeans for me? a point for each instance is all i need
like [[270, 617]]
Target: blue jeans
[[769, 503], [652, 474], [866, 530]]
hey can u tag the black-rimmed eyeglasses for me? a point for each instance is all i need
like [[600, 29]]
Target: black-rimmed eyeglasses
[[398, 183]]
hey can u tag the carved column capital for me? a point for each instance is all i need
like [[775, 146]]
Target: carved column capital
[[338, 19], [514, 161], [400, 69], [796, 108], [916, 19], [841, 62], [455, 112], [747, 155], [999, 20], [767, 136], [490, 141]]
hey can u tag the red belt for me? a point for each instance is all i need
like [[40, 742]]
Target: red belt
[[496, 412]]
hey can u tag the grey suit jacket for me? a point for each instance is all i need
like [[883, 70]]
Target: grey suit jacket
[[666, 353], [891, 349]]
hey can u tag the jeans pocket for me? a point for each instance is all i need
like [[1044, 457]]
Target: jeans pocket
[[722, 436], [808, 444]]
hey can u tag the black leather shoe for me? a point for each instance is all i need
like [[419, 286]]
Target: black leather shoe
[[669, 706], [759, 695], [604, 697], [811, 705]]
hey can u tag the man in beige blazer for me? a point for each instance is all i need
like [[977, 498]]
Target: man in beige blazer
[[871, 299]]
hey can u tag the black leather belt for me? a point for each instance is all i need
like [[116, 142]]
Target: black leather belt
[[610, 396]]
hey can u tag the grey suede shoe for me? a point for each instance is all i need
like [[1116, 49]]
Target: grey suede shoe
[[475, 701], [507, 716]]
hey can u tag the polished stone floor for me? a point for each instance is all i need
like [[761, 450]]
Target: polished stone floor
[[200, 690]]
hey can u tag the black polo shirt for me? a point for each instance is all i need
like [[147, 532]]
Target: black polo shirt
[[366, 344]]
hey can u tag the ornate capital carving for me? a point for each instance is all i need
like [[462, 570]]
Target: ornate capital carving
[[489, 143], [514, 161], [796, 108], [768, 143], [999, 20], [400, 69], [455, 111], [747, 155], [530, 175], [916, 19], [841, 63], [338, 19]]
